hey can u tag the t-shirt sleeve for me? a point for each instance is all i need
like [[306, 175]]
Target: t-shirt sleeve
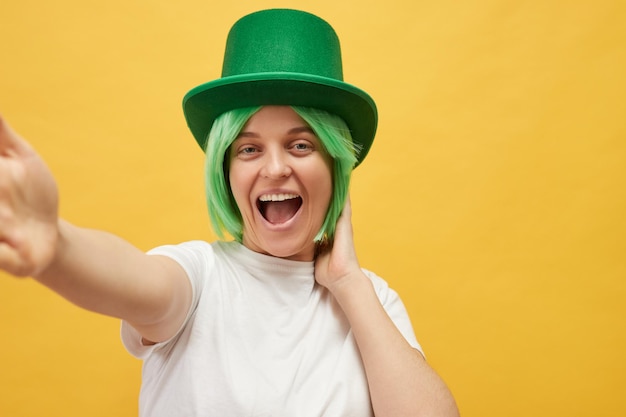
[[394, 307], [195, 257]]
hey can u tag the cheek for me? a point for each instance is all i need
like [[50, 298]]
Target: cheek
[[239, 200], [322, 183], [238, 188]]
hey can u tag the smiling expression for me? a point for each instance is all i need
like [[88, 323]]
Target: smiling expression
[[280, 176]]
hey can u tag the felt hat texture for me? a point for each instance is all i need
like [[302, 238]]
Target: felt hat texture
[[282, 57]]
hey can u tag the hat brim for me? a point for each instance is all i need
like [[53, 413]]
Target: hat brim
[[203, 104]]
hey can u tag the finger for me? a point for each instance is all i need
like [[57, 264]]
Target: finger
[[10, 141], [14, 266], [344, 223], [343, 242], [347, 208], [10, 260], [8, 175], [15, 257]]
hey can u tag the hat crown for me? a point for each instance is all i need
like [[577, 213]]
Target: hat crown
[[282, 40], [282, 57]]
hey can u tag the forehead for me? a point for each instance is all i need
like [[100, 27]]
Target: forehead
[[272, 120], [279, 123]]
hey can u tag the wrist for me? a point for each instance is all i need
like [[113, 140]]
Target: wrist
[[55, 252]]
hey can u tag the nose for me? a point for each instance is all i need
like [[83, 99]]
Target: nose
[[276, 164]]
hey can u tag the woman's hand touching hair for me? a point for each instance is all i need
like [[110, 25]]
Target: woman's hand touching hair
[[336, 261]]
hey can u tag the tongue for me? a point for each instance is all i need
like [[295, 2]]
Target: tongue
[[277, 212]]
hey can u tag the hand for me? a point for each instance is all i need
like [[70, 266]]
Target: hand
[[338, 262], [28, 207]]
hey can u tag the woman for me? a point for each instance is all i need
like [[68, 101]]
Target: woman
[[280, 321]]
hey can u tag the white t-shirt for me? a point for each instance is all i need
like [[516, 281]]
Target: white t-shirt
[[262, 338]]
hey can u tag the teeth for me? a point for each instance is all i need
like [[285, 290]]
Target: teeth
[[277, 197]]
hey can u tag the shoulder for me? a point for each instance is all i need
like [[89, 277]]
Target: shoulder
[[186, 251], [395, 308], [380, 286], [189, 246], [196, 257]]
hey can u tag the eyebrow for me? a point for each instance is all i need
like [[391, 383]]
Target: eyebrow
[[299, 129]]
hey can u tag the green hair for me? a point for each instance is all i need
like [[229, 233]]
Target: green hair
[[330, 129]]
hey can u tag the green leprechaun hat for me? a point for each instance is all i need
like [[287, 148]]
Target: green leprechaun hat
[[282, 57]]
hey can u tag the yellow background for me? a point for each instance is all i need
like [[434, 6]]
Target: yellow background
[[494, 198]]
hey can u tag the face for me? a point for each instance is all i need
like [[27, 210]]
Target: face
[[280, 176]]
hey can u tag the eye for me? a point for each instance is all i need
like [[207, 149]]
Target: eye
[[302, 147], [246, 152]]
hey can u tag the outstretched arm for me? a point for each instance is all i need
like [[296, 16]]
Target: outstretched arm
[[95, 270], [400, 381], [28, 207]]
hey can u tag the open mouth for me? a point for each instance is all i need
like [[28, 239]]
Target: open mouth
[[279, 208]]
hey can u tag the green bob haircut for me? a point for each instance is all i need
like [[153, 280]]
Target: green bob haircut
[[334, 136]]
